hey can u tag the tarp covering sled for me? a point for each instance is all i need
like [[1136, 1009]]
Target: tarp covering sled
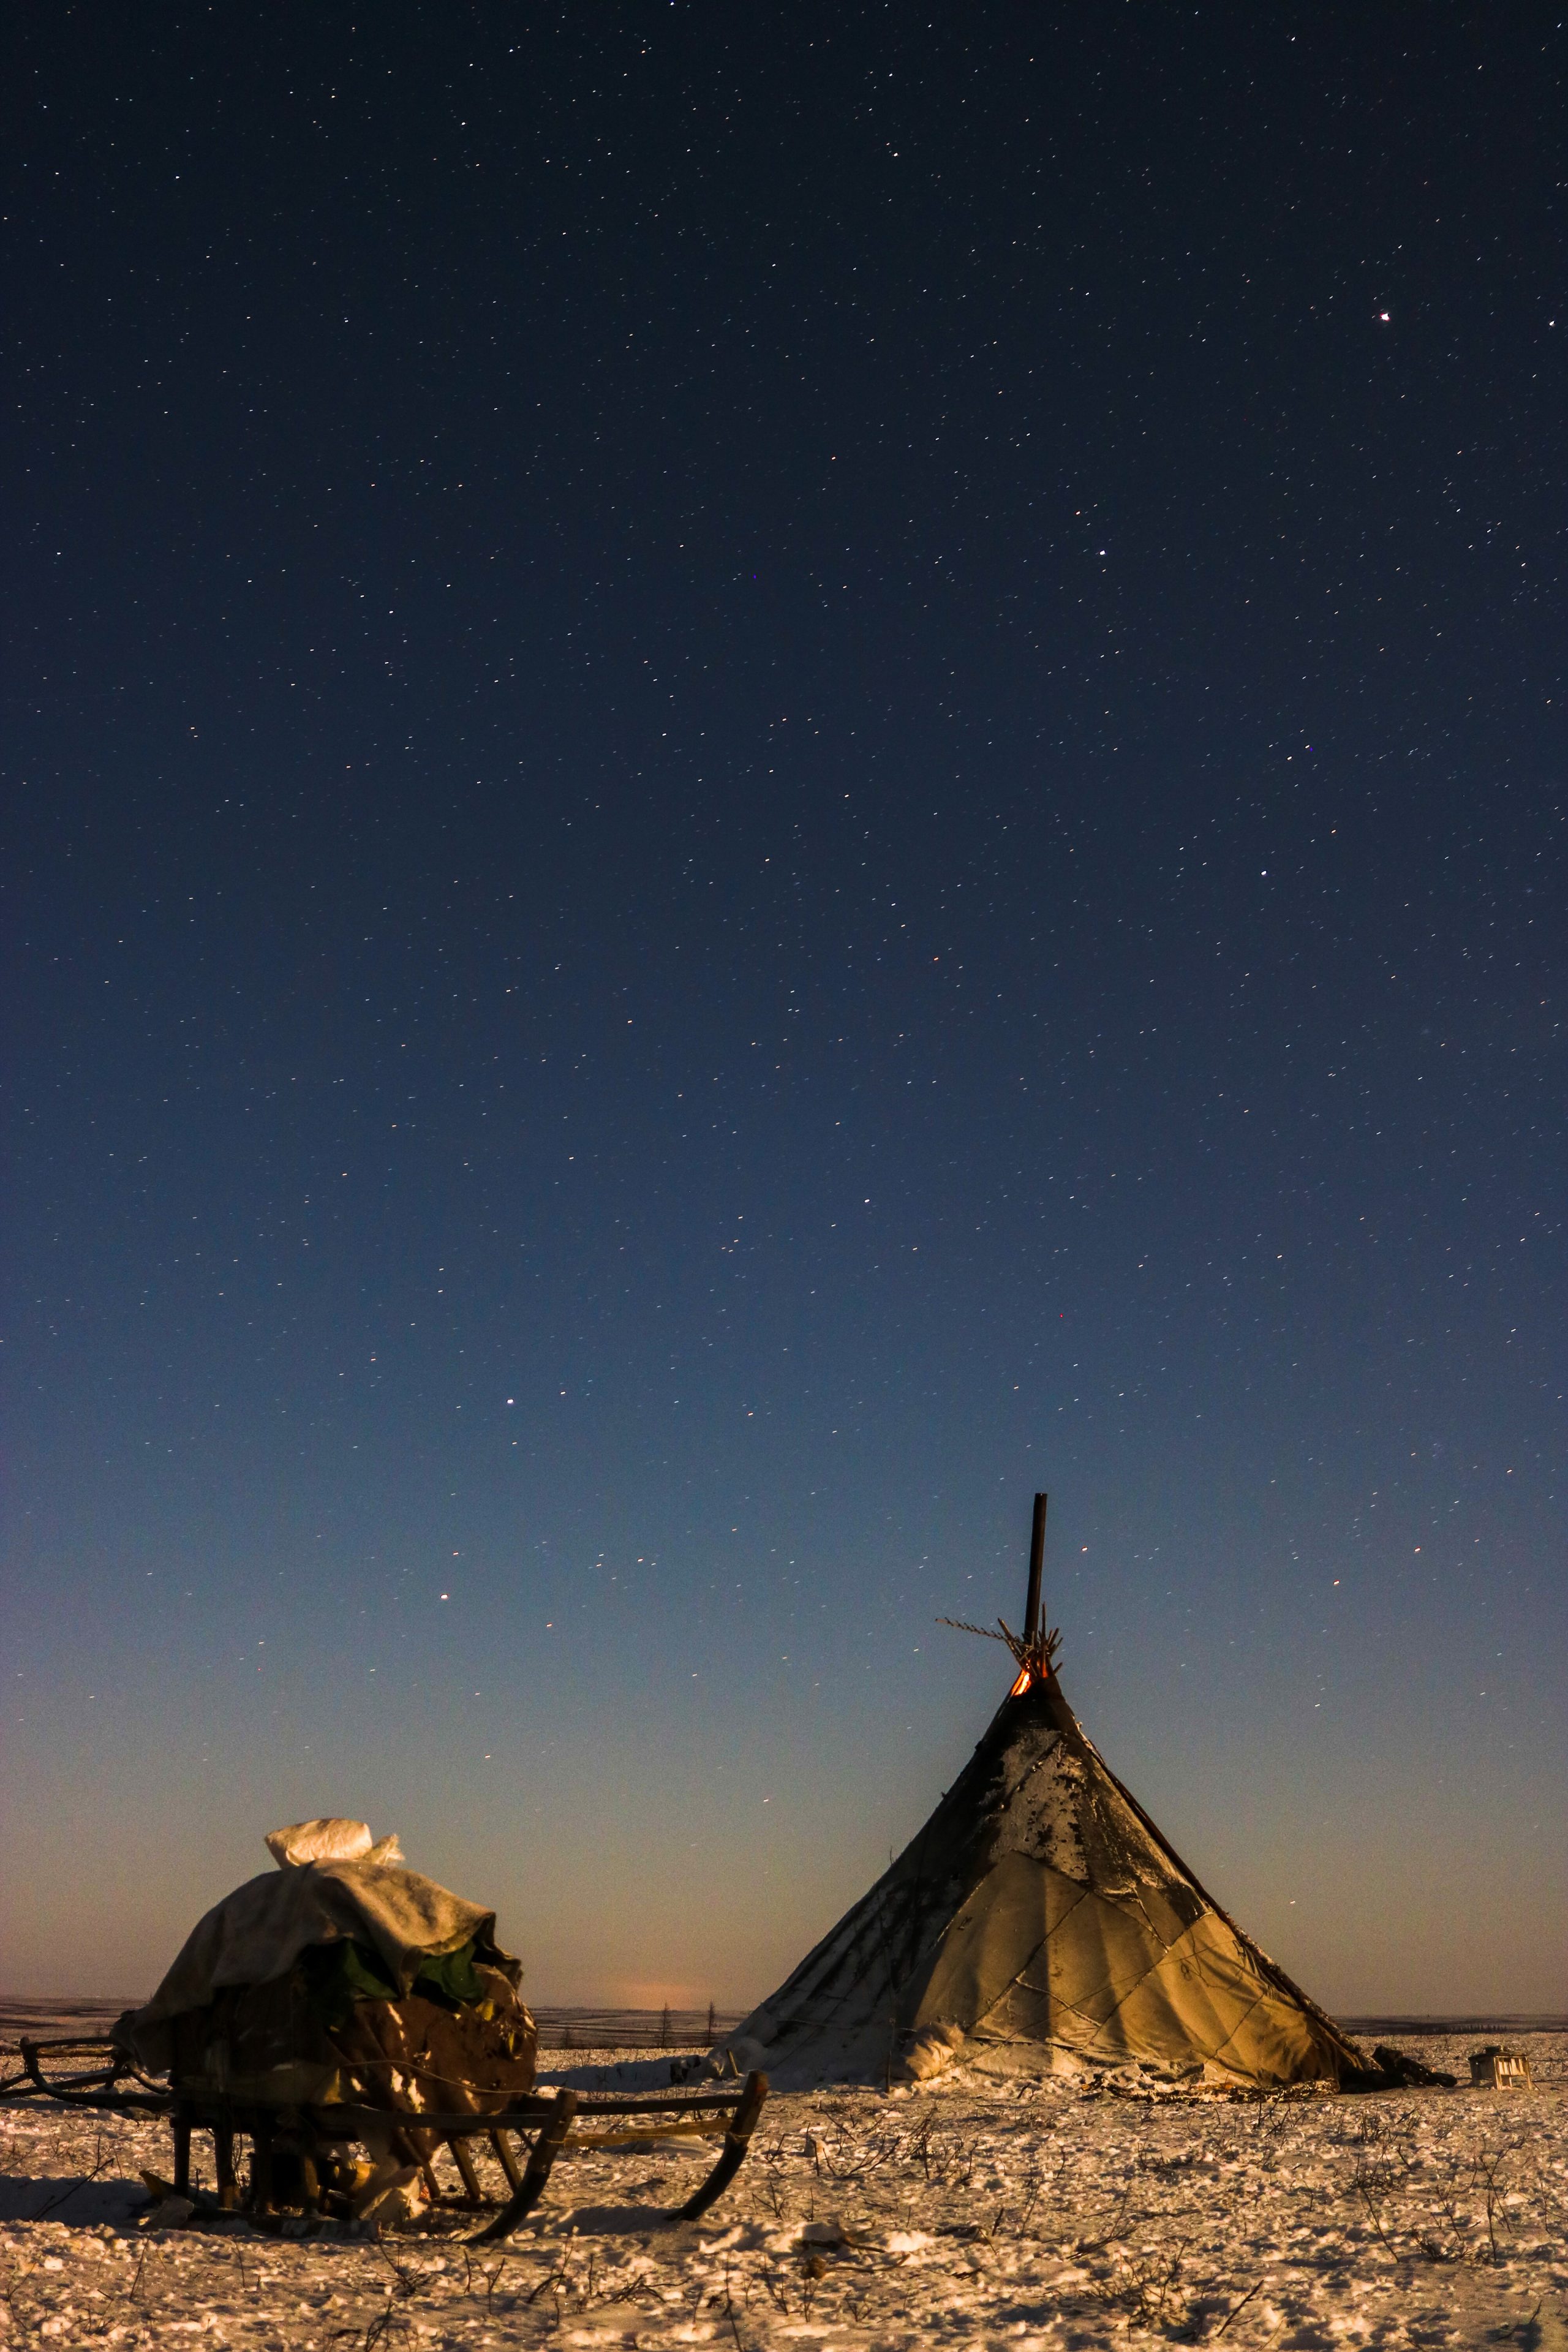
[[319, 1979]]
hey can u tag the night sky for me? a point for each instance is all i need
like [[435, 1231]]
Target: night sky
[[769, 772]]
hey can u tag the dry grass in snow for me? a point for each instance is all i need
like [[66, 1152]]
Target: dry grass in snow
[[954, 2216]]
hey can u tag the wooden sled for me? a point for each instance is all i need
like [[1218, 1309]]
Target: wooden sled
[[301, 2159], [90, 2086]]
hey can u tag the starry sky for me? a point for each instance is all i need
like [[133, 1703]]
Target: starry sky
[[768, 773]]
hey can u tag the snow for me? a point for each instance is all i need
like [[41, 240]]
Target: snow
[[966, 2213]]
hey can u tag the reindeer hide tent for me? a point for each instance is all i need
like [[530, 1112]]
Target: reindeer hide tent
[[1039, 1923]]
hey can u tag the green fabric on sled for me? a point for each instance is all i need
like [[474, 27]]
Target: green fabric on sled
[[340, 1973]]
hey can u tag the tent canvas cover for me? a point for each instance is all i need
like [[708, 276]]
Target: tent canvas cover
[[1039, 1923]]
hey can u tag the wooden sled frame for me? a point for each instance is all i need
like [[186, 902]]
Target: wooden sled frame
[[556, 2123]]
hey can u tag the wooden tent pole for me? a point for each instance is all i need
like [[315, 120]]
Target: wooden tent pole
[[1034, 1625]]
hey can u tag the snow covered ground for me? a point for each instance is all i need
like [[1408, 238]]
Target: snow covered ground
[[952, 2216]]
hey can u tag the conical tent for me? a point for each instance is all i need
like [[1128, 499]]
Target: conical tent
[[1040, 1922]]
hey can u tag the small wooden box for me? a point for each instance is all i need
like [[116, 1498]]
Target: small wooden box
[[1496, 2068]]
